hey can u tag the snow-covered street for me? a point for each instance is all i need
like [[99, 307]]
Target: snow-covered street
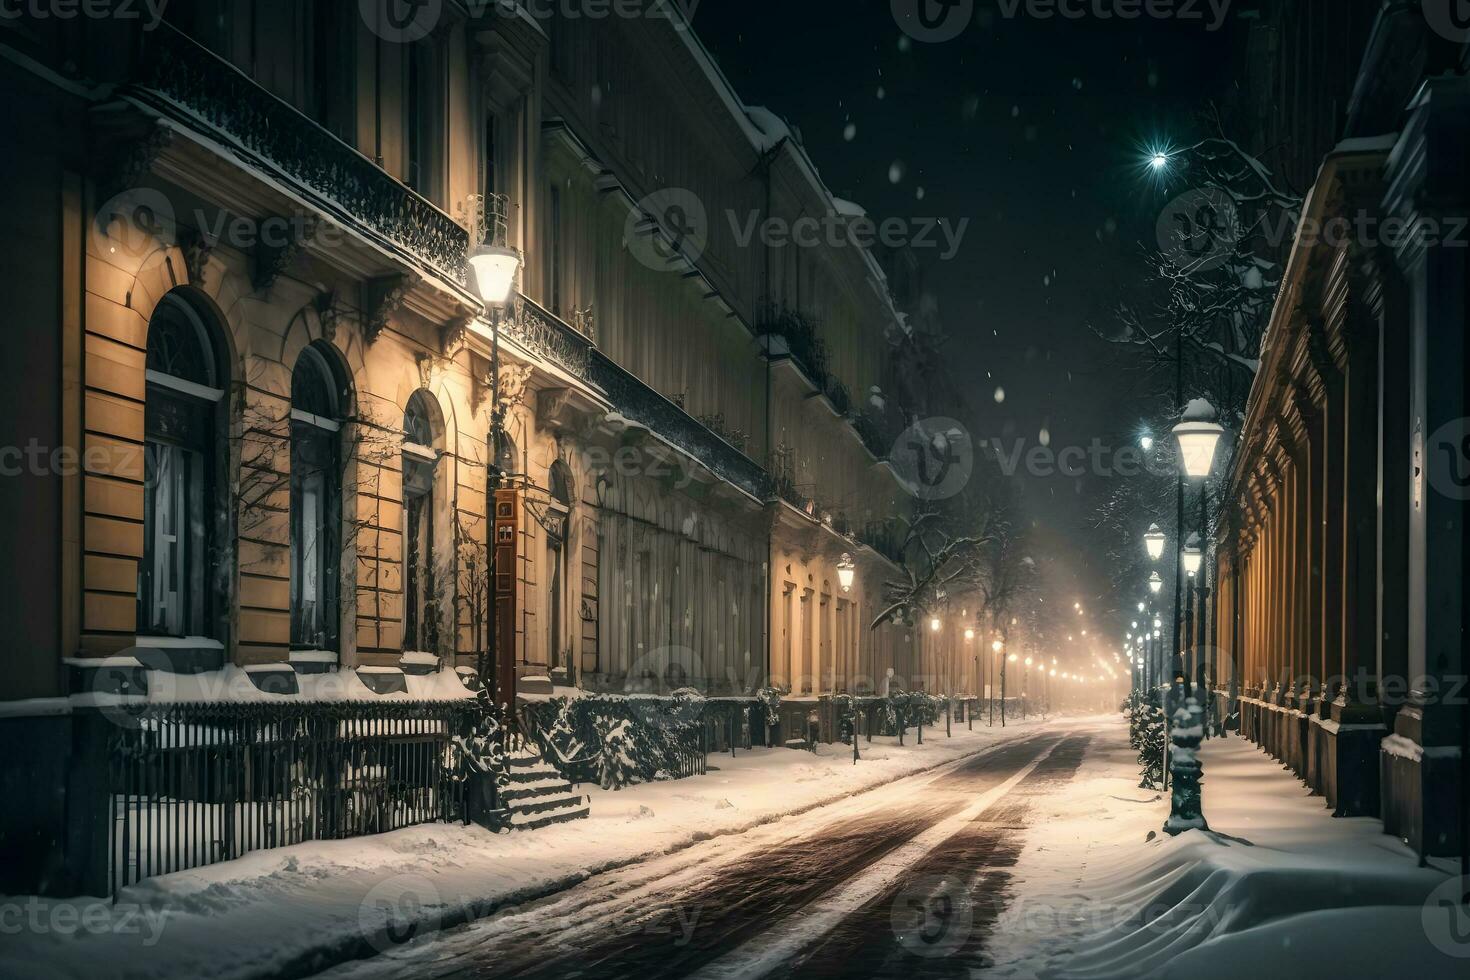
[[1017, 852], [1040, 858]]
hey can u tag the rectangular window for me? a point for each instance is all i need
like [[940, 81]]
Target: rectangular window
[[554, 241], [424, 118], [332, 67], [170, 588]]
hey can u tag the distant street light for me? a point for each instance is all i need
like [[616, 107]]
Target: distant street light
[[1155, 583], [846, 572], [1154, 542], [934, 624], [1193, 556]]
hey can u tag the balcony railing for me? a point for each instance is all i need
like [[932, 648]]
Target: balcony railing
[[548, 336], [637, 401], [187, 81]]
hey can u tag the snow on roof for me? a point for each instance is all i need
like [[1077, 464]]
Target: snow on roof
[[773, 128], [765, 130], [849, 209]]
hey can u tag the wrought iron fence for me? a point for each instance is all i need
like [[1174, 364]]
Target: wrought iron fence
[[193, 784]]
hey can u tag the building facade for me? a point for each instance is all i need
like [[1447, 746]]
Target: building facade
[[1340, 606], [253, 391]]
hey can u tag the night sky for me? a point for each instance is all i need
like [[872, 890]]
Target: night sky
[[1033, 129]]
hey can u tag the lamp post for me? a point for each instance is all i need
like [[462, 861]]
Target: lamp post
[[493, 269], [1197, 434]]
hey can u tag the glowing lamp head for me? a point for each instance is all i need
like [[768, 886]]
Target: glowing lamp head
[[1197, 434], [1155, 583], [934, 624], [846, 572], [997, 646], [1193, 556], [969, 635], [1012, 658], [1028, 661], [494, 268], [1159, 161], [1154, 542]]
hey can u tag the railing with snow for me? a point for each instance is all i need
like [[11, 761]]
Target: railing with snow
[[192, 784], [187, 82]]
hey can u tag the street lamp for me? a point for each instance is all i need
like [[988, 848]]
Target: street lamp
[[846, 571], [1193, 556], [1198, 433], [1155, 583], [495, 268], [969, 635], [1154, 542]]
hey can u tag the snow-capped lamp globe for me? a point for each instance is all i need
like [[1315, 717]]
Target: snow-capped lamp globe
[[1197, 434], [846, 571], [1154, 540], [1155, 583], [1193, 556]]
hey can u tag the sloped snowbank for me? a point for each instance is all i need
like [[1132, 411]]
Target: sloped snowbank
[[1277, 885]]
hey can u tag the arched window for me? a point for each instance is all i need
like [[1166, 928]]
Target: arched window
[[316, 496], [420, 457], [185, 386], [558, 526]]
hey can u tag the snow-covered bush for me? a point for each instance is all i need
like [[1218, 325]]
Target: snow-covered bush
[[617, 765], [483, 748], [1151, 746]]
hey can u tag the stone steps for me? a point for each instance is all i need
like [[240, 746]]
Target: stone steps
[[538, 796]]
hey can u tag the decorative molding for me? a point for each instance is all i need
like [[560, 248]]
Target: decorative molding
[[267, 262], [383, 297], [196, 248], [327, 314]]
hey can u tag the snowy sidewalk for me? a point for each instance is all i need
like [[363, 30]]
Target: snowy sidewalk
[[1277, 887], [298, 909]]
